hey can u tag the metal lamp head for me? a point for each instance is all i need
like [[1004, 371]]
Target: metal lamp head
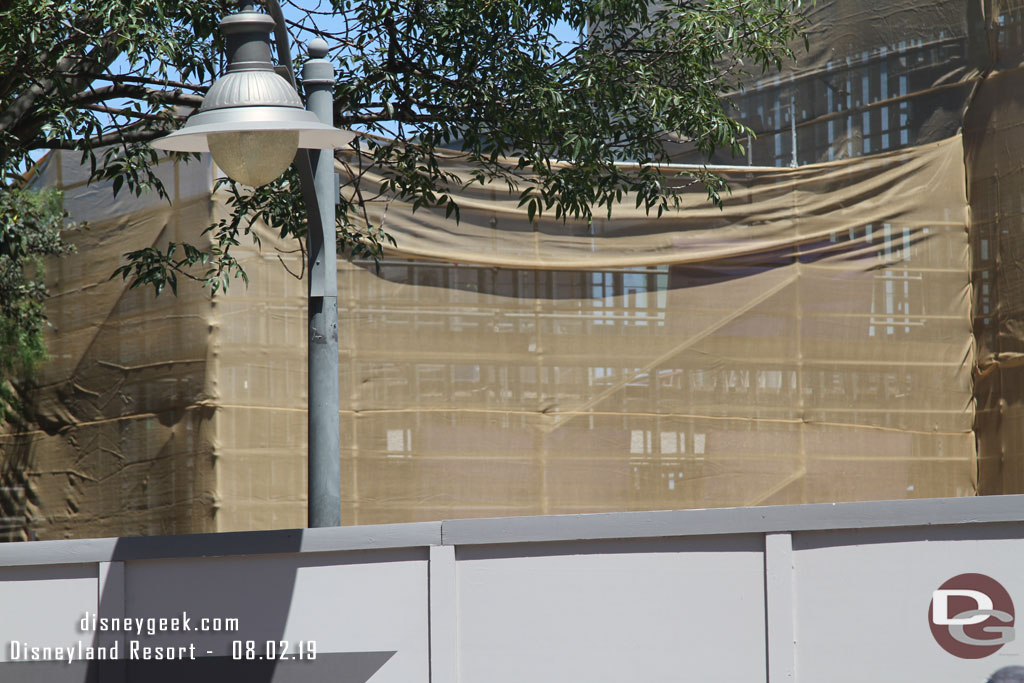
[[252, 120]]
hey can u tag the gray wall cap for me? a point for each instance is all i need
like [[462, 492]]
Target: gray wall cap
[[769, 519], [936, 512], [334, 539]]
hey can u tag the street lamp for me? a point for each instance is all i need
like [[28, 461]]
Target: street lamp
[[253, 123]]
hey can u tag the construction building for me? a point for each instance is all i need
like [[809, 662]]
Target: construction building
[[847, 327]]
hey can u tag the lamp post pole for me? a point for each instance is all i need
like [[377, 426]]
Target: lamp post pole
[[324, 428], [253, 122]]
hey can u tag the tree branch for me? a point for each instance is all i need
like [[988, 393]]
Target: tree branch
[[126, 137], [128, 113], [71, 69], [119, 78], [96, 95]]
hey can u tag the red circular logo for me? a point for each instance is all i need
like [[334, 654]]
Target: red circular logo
[[971, 616]]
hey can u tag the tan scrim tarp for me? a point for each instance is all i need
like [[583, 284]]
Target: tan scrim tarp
[[810, 342], [767, 210], [996, 180], [875, 77], [120, 441]]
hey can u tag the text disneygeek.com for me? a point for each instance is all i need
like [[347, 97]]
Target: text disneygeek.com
[[20, 651], [153, 625]]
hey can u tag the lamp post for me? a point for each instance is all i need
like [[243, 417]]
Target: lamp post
[[253, 123]]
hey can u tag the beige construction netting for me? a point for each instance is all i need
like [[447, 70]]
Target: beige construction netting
[[844, 330]]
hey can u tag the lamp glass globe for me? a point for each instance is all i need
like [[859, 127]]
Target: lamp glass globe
[[254, 158]]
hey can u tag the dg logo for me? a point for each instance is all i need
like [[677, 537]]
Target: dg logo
[[971, 616]]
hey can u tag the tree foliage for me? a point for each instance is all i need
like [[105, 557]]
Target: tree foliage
[[495, 80], [30, 225], [99, 76]]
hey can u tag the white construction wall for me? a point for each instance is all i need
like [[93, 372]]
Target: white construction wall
[[789, 593]]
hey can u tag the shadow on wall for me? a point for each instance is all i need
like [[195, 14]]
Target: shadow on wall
[[1008, 674], [257, 591]]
